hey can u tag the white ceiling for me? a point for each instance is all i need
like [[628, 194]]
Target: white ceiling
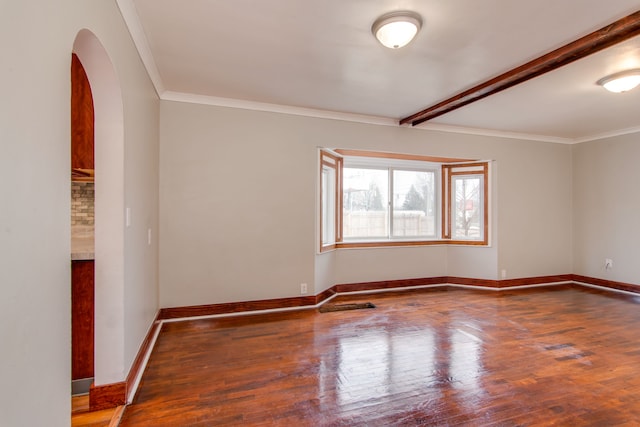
[[320, 58]]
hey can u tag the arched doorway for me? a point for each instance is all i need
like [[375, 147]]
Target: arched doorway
[[82, 230], [109, 208]]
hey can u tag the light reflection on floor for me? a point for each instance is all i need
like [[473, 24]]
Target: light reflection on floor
[[375, 364]]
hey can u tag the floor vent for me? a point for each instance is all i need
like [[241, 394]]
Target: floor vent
[[342, 307]]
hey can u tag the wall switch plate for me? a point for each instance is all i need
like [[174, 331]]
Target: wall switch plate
[[608, 264]]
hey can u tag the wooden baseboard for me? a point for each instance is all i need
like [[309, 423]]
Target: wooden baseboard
[[619, 286], [138, 364], [451, 280], [325, 295], [107, 396], [389, 284], [235, 307], [510, 283], [310, 301], [116, 394]]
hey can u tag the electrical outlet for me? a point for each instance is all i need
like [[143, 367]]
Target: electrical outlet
[[608, 264], [503, 274], [303, 289]]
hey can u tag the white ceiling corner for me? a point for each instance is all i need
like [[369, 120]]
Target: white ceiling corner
[[132, 21]]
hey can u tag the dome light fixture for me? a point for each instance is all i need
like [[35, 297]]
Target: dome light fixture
[[623, 81], [396, 29]]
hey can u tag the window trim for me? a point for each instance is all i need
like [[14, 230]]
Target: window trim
[[329, 160], [449, 167], [389, 169], [430, 168], [448, 172]]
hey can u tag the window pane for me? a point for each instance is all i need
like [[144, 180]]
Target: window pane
[[365, 203], [414, 204], [328, 205], [468, 221]]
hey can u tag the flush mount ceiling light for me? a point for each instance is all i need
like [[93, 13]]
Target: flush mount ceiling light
[[621, 82], [396, 29]]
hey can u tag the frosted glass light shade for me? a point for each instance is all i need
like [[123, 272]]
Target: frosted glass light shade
[[621, 82], [396, 29]]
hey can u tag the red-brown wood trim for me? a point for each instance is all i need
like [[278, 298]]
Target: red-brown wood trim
[[446, 201], [389, 284], [399, 156], [239, 307], [82, 319], [390, 243], [448, 171], [111, 395], [270, 304], [327, 248], [539, 280], [321, 228], [621, 286], [107, 396], [466, 281], [596, 41], [136, 367], [325, 294], [82, 118], [486, 204], [510, 283], [235, 307], [339, 200], [337, 167]]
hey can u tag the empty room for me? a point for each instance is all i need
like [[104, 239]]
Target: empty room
[[333, 213]]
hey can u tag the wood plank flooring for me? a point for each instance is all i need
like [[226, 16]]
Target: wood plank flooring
[[81, 417], [564, 355]]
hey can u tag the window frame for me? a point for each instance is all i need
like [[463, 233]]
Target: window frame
[[431, 168], [329, 160], [389, 168], [460, 170], [448, 168]]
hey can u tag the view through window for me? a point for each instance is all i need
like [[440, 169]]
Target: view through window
[[375, 200]]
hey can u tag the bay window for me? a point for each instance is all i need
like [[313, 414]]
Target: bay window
[[385, 199]]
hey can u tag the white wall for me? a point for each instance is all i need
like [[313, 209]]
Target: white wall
[[606, 208], [534, 209], [375, 264], [324, 272], [219, 166], [237, 205], [36, 39], [34, 216]]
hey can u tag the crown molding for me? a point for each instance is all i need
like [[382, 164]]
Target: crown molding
[[377, 120], [605, 135], [495, 133], [275, 108], [132, 22]]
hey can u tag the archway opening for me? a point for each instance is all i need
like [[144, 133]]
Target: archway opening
[[108, 208]]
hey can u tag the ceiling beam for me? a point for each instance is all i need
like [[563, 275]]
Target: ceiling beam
[[603, 38]]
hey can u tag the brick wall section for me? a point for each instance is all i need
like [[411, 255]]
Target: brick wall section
[[82, 203]]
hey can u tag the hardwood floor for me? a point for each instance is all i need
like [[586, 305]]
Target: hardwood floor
[[563, 355], [81, 417]]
